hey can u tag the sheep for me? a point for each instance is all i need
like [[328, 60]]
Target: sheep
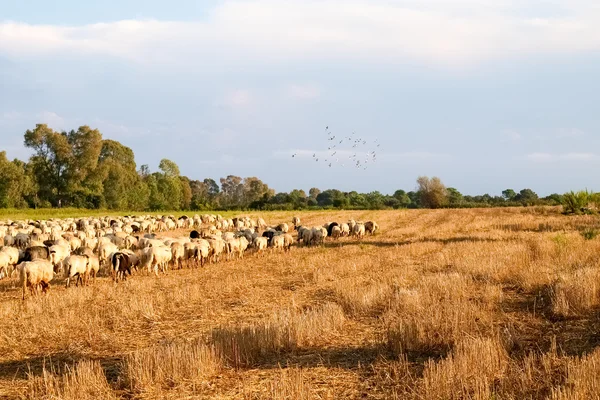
[[121, 265], [336, 232], [57, 256], [330, 227], [34, 274], [278, 242], [236, 246], [371, 227], [359, 230], [288, 240], [259, 244], [4, 264], [318, 235], [307, 235], [36, 253], [177, 254], [105, 250], [22, 240], [282, 228], [351, 224], [13, 254], [157, 257], [92, 268], [217, 247], [345, 229], [75, 266], [296, 222]]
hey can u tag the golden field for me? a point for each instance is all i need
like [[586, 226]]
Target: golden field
[[440, 304]]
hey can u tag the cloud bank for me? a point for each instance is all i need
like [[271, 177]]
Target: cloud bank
[[454, 32]]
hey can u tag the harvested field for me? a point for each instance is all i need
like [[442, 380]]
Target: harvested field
[[439, 304]]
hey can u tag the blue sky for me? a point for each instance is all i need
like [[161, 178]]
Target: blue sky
[[486, 94]]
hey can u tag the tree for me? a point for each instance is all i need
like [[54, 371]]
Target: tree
[[254, 190], [232, 191], [186, 193], [168, 168], [527, 197], [117, 171], [314, 192], [15, 184], [52, 155], [509, 194], [432, 191], [402, 197], [325, 198], [455, 198]]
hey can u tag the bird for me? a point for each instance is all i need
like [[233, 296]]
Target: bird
[[327, 127], [294, 155], [314, 155], [329, 165]]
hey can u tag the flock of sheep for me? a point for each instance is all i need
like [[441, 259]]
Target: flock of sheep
[[36, 251]]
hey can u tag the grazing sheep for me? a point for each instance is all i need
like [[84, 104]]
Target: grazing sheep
[[345, 229], [13, 254], [260, 244], [336, 232], [57, 256], [75, 266], [177, 255], [36, 253], [105, 250], [121, 265], [371, 227], [282, 228], [35, 274], [217, 247], [318, 235], [351, 224], [4, 265], [288, 241], [92, 268], [359, 230], [278, 242], [330, 227], [157, 257], [307, 235]]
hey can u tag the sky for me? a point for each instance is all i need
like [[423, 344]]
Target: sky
[[485, 94]]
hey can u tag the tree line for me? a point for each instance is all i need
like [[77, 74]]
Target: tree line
[[81, 169]]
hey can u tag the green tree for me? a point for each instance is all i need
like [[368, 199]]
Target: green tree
[[314, 192], [50, 162], [509, 194], [15, 183], [527, 197], [402, 197], [232, 191], [455, 198]]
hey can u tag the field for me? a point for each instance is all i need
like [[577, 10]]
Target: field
[[441, 304]]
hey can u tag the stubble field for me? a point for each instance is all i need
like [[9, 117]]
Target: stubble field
[[440, 304]]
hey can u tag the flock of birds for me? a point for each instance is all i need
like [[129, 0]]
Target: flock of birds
[[352, 146]]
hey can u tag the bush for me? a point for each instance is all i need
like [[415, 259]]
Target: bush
[[576, 202]]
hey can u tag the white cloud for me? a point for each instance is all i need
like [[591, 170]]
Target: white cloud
[[454, 32], [52, 119], [548, 157], [303, 92]]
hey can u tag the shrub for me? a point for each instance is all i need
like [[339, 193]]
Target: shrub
[[576, 202]]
